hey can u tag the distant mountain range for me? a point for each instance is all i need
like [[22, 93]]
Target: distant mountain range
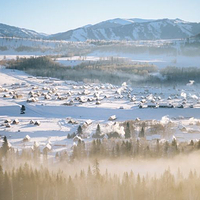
[[12, 31], [116, 29]]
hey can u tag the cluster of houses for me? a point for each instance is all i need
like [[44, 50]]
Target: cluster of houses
[[73, 93], [171, 102], [8, 122]]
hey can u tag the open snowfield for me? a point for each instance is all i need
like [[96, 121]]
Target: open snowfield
[[10, 57], [52, 103], [161, 61], [10, 48]]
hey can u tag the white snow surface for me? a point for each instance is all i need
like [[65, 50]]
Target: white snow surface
[[54, 116]]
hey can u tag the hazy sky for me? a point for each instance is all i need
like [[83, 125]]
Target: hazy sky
[[52, 16]]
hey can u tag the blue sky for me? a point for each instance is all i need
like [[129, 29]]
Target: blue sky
[[52, 16]]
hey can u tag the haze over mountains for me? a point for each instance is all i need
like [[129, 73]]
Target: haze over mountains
[[115, 29]]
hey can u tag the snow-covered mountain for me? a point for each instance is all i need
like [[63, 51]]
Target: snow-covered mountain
[[115, 29], [12, 31], [132, 29]]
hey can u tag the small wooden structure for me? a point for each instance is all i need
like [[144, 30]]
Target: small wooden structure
[[15, 121], [26, 138], [77, 138], [37, 123], [112, 118]]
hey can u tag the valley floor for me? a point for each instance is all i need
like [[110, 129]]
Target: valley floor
[[52, 103]]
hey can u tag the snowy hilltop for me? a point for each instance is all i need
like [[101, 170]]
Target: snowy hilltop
[[132, 29], [115, 29], [12, 31]]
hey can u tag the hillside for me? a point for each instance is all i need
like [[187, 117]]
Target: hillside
[[115, 29], [12, 31], [132, 29]]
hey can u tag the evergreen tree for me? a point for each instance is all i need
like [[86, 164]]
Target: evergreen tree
[[82, 174], [117, 150], [157, 147], [94, 150], [138, 147], [128, 146], [96, 170], [75, 152], [98, 132], [166, 147], [5, 146], [138, 179], [6, 187], [141, 134], [191, 143], [147, 152], [89, 172], [198, 144], [71, 190], [127, 131], [80, 130], [81, 153], [174, 144], [64, 156]]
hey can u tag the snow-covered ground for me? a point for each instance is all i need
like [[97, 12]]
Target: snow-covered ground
[[10, 48], [55, 102], [159, 60], [26, 46], [10, 57]]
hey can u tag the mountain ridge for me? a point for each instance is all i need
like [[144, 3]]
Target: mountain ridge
[[115, 29], [13, 31], [132, 29]]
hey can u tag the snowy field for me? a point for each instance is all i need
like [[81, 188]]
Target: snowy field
[[159, 60], [10, 48], [51, 103]]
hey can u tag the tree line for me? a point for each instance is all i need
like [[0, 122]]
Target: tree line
[[114, 71], [101, 149], [28, 183]]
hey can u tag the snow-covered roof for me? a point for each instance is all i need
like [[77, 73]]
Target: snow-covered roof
[[7, 121], [26, 138], [88, 122], [76, 138], [48, 146], [37, 123], [113, 117], [15, 121]]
